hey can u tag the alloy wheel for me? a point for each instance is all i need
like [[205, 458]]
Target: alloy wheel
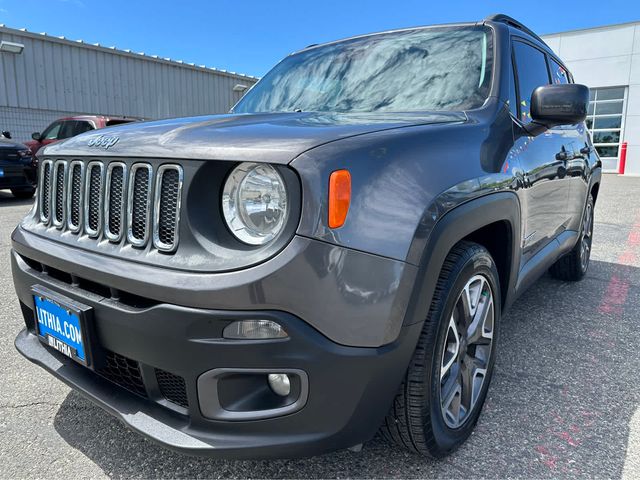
[[587, 234], [467, 351]]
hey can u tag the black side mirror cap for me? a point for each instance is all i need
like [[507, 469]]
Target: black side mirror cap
[[36, 136], [563, 104]]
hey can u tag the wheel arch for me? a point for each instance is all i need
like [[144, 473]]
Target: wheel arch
[[492, 221]]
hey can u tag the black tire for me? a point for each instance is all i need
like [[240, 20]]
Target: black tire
[[574, 265], [416, 420], [23, 193]]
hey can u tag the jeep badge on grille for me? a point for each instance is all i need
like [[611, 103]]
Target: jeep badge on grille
[[104, 141]]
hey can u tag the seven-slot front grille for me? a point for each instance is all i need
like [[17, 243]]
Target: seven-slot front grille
[[45, 191], [167, 207], [93, 195], [75, 194], [139, 204], [113, 201], [60, 170]]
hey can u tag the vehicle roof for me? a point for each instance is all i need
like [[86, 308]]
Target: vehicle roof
[[516, 32], [384, 32], [515, 28], [523, 32]]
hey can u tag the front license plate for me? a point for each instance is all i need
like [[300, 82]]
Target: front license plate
[[61, 327]]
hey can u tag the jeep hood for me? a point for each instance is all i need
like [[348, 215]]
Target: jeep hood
[[264, 137]]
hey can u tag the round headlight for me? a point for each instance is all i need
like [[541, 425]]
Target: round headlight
[[254, 203]]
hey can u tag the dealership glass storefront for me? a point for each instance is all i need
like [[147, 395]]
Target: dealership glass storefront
[[606, 123]]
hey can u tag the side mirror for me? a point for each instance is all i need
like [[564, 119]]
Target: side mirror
[[553, 105], [36, 136]]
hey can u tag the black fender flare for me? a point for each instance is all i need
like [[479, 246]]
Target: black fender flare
[[451, 228], [595, 178]]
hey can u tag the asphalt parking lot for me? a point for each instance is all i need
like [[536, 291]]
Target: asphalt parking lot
[[564, 400]]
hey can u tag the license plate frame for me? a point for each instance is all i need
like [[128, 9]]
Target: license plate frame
[[84, 314]]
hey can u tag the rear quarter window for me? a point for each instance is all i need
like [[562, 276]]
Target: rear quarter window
[[67, 130], [82, 126], [559, 74], [120, 121]]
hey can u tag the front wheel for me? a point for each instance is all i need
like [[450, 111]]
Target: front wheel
[[441, 397]]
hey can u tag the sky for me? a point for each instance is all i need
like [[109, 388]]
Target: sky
[[250, 36]]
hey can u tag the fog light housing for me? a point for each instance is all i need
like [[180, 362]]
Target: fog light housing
[[254, 330], [280, 384]]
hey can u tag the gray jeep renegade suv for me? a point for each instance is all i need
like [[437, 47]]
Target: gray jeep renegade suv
[[329, 260]]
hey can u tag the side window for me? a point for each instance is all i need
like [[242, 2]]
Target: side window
[[558, 73], [81, 127], [67, 129], [51, 133], [513, 98], [531, 65]]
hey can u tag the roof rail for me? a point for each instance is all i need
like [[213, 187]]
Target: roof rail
[[502, 18]]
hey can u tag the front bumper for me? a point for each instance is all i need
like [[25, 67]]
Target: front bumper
[[350, 393], [350, 388], [351, 297]]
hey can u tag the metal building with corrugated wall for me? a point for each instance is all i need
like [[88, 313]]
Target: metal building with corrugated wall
[[52, 77]]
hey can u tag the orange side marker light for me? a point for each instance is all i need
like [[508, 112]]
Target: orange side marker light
[[339, 197]]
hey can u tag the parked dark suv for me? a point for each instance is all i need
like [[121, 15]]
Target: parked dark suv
[[330, 259], [18, 168]]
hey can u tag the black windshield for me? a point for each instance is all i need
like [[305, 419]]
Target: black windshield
[[443, 68]]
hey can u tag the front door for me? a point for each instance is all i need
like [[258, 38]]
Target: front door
[[580, 156], [541, 159]]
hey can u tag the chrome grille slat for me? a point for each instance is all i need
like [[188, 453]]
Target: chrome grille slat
[[139, 204], [114, 201], [119, 201], [45, 191], [94, 186], [75, 196], [58, 197], [166, 207]]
